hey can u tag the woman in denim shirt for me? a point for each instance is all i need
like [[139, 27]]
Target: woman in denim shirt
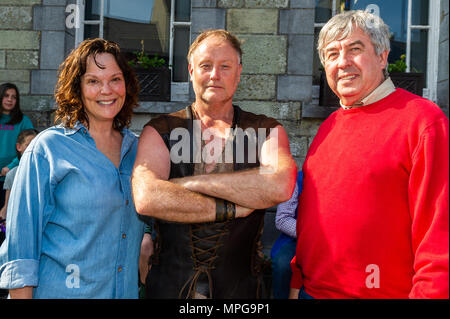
[[72, 229]]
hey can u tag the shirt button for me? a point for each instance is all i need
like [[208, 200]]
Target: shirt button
[[126, 203], [120, 269], [124, 236]]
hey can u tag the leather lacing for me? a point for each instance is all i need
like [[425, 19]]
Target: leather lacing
[[204, 254]]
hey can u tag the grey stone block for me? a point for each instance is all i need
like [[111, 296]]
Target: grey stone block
[[266, 3], [256, 87], [203, 3], [43, 82], [304, 4], [443, 61], [37, 103], [15, 18], [2, 59], [442, 95], [49, 18], [294, 88], [69, 43], [207, 18], [231, 3], [300, 54], [52, 51], [20, 2], [297, 21], [22, 59], [264, 54], [54, 2], [252, 21], [18, 40], [277, 110]]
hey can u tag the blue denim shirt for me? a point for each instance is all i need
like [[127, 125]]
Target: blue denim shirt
[[72, 229]]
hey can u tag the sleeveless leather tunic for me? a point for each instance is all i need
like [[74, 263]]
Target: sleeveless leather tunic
[[208, 260]]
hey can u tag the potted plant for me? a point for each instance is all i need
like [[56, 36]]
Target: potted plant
[[409, 81], [153, 74]]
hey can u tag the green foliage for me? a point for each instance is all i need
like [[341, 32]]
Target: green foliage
[[144, 61], [398, 66]]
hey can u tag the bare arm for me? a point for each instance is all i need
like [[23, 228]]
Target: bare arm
[[155, 196], [147, 250], [21, 293], [5, 206], [257, 188]]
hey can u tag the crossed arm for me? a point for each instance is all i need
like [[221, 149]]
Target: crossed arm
[[192, 199]]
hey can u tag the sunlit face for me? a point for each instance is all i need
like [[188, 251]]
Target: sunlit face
[[215, 71], [9, 101], [103, 91], [353, 68], [21, 147]]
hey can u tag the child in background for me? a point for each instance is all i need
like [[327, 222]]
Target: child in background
[[12, 122], [22, 142]]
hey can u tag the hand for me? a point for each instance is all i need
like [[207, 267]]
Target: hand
[[293, 293], [242, 211], [3, 212], [21, 293], [4, 171], [147, 250]]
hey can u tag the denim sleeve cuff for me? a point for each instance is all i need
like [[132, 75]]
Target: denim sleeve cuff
[[19, 273]]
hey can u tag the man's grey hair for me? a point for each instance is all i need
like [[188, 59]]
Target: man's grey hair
[[342, 25]]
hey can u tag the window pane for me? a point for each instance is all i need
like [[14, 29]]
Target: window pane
[[130, 22], [182, 10], [91, 31], [323, 11], [420, 12], [180, 50], [419, 52]]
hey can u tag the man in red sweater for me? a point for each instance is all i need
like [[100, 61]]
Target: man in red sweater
[[373, 217]]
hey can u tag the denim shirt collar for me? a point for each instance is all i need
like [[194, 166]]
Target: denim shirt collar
[[128, 136]]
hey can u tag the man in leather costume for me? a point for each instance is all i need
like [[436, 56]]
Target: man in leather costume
[[208, 204]]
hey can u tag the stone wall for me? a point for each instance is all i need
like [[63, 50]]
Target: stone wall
[[31, 49], [277, 62]]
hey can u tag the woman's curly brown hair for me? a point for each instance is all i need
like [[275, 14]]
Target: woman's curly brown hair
[[68, 88]]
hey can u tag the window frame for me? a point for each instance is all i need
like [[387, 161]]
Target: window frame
[[430, 90], [178, 88]]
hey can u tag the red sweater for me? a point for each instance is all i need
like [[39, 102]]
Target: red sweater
[[373, 217]]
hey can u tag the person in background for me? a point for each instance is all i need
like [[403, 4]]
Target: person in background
[[373, 217], [12, 122], [283, 250], [72, 230], [23, 140]]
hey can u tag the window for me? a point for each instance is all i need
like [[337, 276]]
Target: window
[[163, 25], [414, 25]]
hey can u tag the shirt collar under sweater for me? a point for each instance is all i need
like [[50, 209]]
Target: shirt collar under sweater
[[383, 90]]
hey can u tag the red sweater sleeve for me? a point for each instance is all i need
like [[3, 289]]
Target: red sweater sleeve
[[429, 207]]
